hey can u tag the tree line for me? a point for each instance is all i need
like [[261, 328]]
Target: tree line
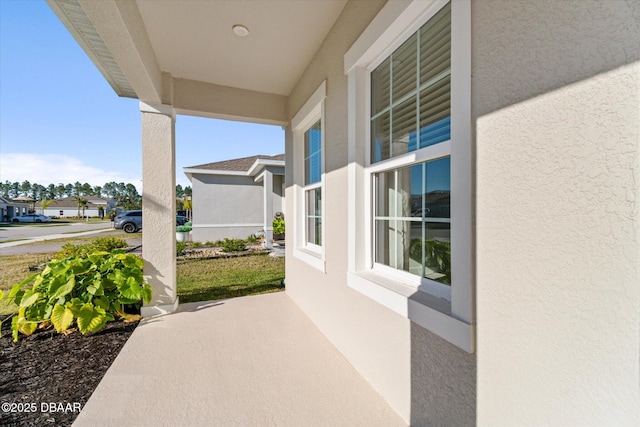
[[124, 194]]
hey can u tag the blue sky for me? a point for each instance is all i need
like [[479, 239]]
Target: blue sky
[[60, 121]]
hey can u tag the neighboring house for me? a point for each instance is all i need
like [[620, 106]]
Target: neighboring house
[[68, 207], [236, 198], [515, 126], [10, 208]]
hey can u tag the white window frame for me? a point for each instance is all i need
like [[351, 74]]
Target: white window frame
[[448, 313], [305, 118]]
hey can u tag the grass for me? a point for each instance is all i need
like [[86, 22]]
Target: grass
[[198, 279], [218, 278]]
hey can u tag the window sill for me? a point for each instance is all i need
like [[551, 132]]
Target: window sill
[[312, 258], [431, 313]]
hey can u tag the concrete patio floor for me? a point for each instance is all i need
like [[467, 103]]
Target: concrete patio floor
[[251, 361]]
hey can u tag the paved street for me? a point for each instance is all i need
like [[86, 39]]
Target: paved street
[[47, 231]]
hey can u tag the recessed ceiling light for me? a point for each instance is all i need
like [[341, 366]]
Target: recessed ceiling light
[[240, 30]]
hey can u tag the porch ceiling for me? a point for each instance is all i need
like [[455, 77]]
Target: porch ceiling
[[185, 53], [194, 39]]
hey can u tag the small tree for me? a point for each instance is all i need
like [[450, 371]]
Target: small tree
[[44, 204], [82, 203]]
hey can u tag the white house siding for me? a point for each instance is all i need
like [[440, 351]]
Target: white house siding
[[67, 212], [556, 98], [402, 361]]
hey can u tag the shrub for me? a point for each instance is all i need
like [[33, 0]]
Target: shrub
[[86, 290], [180, 247], [233, 245], [252, 239], [196, 244], [108, 244], [101, 244], [278, 225]]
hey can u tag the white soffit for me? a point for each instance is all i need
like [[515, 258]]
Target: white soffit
[[194, 39]]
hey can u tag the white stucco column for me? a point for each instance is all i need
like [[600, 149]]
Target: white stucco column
[[159, 206], [267, 186]]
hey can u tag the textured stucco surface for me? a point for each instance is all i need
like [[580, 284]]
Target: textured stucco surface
[[226, 200], [158, 206], [439, 383], [379, 343], [556, 96]]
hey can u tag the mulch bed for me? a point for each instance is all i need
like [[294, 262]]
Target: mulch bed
[[46, 377]]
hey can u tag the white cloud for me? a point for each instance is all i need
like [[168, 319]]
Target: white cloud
[[46, 169]]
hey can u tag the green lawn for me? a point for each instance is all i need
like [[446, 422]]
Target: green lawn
[[210, 279], [198, 279]]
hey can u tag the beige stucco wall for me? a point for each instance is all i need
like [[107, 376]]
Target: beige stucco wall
[[387, 349], [556, 96]]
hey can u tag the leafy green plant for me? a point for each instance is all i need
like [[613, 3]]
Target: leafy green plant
[[184, 228], [233, 245], [196, 244], [252, 239], [278, 225], [437, 256], [86, 290]]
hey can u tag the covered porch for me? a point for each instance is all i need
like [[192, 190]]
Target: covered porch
[[242, 65], [254, 360]]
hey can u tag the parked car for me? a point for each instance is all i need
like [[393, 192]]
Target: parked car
[[131, 221], [31, 218]]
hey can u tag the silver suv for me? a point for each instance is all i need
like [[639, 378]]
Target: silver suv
[[131, 221]]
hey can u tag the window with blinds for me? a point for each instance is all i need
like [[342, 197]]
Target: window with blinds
[[411, 92]]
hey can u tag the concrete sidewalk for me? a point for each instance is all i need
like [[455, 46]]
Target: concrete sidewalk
[[251, 361]]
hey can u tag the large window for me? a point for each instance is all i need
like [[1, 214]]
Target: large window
[[410, 170], [410, 111]]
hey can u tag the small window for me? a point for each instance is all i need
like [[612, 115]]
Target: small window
[[313, 184], [308, 175]]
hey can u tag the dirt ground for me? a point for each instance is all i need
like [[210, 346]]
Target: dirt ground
[[46, 378]]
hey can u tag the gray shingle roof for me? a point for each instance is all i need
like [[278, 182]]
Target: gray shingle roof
[[241, 165]]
